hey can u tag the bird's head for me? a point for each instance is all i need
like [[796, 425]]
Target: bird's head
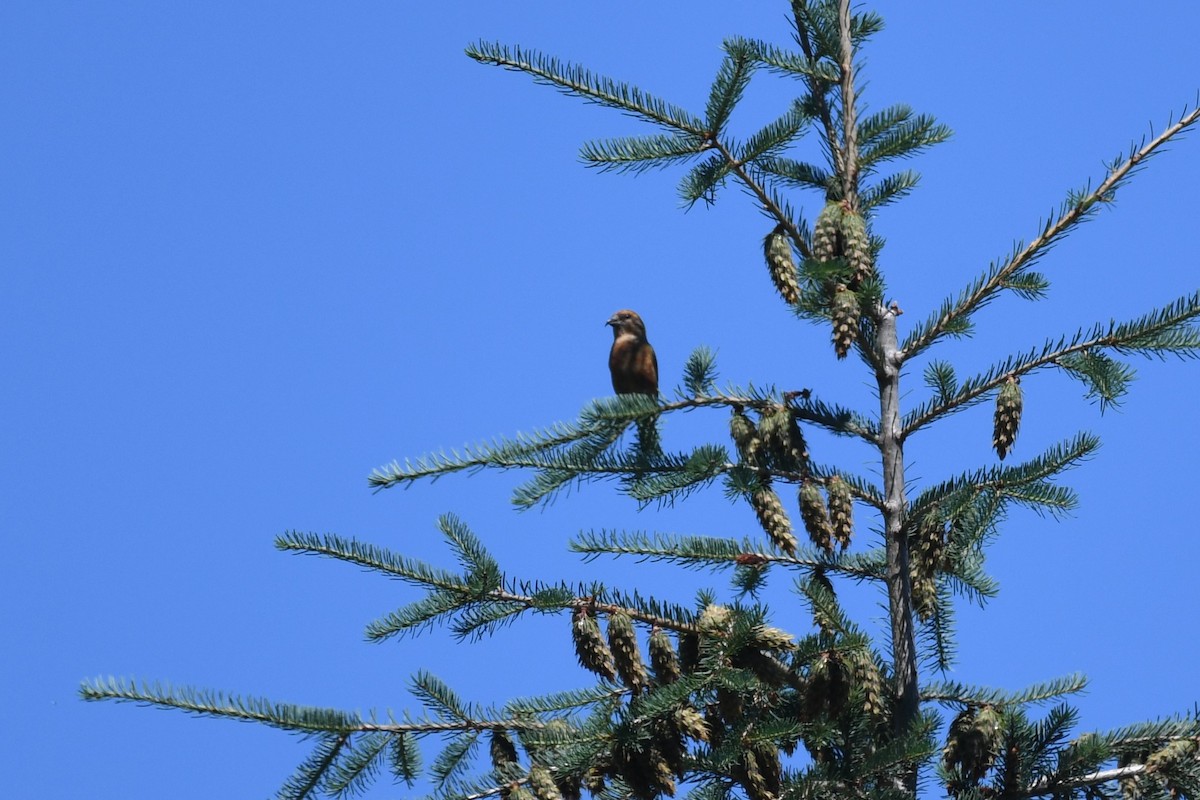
[[626, 321]]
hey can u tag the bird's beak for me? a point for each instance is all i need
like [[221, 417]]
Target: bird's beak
[[612, 320]]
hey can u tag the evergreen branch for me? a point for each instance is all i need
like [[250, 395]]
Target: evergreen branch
[[953, 692], [439, 698], [504, 454], [418, 616], [1050, 736], [623, 408], [574, 452], [639, 153], [1150, 733], [371, 557], [889, 190], [702, 552], [1028, 285], [285, 716], [937, 632], [479, 619], [405, 759], [356, 768], [833, 418], [478, 609], [883, 123], [700, 371], [798, 232], [684, 475], [454, 759], [789, 63], [309, 776], [470, 610], [903, 139], [797, 174], [819, 46], [1027, 483], [702, 180], [583, 461], [646, 610], [775, 136], [581, 82], [760, 192], [732, 78], [482, 568], [1167, 330], [860, 488], [966, 578], [1106, 378], [1078, 208], [559, 702], [299, 719], [837, 419]]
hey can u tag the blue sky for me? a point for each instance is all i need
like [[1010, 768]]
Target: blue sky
[[252, 251]]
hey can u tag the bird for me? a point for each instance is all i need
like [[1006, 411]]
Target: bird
[[631, 361], [634, 369]]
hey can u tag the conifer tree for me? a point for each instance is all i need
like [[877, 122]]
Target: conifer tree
[[711, 699]]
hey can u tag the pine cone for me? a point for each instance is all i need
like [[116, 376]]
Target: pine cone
[[569, 786], [773, 519], [645, 771], [778, 252], [691, 724], [542, 784], [827, 233], [715, 618], [820, 617], [715, 724], [663, 660], [767, 637], [590, 648], [624, 645], [745, 437], [926, 546], [730, 704], [844, 311], [841, 509], [782, 438], [858, 248], [600, 769], [760, 764], [816, 518], [867, 678], [768, 669], [689, 652], [661, 772], [668, 741], [502, 751], [827, 690], [1171, 754], [1008, 416], [973, 742]]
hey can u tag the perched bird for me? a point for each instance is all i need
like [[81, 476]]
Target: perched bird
[[631, 361], [634, 369]]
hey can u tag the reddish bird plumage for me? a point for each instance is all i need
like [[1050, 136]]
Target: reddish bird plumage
[[631, 361]]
